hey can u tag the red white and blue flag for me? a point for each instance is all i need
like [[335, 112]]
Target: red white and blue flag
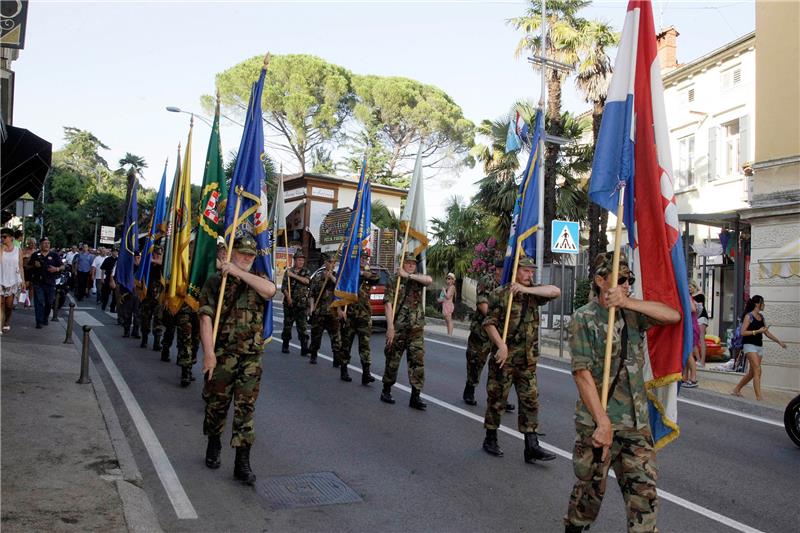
[[633, 151]]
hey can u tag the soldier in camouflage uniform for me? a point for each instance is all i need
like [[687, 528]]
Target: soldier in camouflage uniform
[[405, 330], [478, 344], [322, 317], [358, 321], [514, 361], [149, 312], [128, 307], [232, 364], [187, 328], [619, 437], [295, 307]]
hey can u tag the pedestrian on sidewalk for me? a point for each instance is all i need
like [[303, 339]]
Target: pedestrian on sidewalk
[[97, 273], [446, 298], [46, 266], [754, 327], [405, 329], [12, 280], [702, 323], [232, 364], [83, 264], [515, 358], [619, 436]]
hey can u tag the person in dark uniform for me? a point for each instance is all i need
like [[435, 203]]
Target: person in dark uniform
[[295, 303]]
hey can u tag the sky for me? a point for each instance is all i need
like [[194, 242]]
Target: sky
[[112, 67]]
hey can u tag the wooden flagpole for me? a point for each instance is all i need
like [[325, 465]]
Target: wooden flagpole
[[612, 311], [511, 294], [228, 258], [402, 255], [325, 283]]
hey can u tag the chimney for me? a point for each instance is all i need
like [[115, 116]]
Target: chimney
[[668, 48]]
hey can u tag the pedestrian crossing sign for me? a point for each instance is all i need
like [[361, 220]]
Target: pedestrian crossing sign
[[564, 238]]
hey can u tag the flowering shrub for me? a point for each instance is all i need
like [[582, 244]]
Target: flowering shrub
[[485, 253]]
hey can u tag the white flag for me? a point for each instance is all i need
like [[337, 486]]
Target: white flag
[[413, 216]]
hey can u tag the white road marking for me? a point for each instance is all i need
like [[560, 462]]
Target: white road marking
[[668, 496], [747, 416], [166, 473], [85, 319]]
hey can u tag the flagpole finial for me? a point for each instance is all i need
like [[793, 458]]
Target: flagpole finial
[[266, 61], [166, 162], [191, 121]]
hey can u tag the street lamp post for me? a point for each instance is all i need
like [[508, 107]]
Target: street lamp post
[[174, 109]]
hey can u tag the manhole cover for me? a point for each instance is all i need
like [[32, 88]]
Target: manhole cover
[[305, 490]]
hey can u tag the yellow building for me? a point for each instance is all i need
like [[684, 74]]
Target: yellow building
[[774, 213]]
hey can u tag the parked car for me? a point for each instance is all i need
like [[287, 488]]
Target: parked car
[[376, 296]]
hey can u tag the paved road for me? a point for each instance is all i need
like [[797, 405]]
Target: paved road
[[423, 470]]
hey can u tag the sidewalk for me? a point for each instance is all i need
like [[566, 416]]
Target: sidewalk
[[60, 470], [709, 380]]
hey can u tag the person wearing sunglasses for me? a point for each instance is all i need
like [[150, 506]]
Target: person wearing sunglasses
[[620, 435], [12, 280]]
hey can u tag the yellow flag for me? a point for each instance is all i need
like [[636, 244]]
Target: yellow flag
[[182, 229]]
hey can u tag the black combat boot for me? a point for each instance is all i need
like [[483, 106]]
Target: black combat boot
[[336, 361], [415, 401], [313, 359], [510, 407], [386, 393], [126, 332], [344, 375], [366, 376], [212, 451], [469, 394], [143, 344], [186, 376], [135, 332], [571, 528], [241, 469], [165, 353], [534, 452], [285, 347], [304, 351], [156, 342], [490, 443]]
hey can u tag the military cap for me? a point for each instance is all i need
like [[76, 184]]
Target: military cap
[[409, 256], [604, 264], [330, 256], [499, 263], [526, 261], [245, 244], [298, 254]]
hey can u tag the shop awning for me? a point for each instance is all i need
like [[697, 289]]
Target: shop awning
[[25, 161], [783, 263]]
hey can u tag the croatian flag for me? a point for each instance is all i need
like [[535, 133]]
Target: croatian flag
[[633, 150]]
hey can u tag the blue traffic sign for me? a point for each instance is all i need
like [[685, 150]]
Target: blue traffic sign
[[564, 237]]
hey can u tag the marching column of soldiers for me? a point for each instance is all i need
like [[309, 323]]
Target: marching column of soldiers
[[618, 437]]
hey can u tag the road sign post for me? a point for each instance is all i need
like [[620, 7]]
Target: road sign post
[[565, 240]]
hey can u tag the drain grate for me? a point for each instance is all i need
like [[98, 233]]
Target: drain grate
[[305, 490]]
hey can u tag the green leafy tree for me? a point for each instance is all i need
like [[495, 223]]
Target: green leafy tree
[[306, 100], [405, 115], [269, 170], [383, 217], [563, 43]]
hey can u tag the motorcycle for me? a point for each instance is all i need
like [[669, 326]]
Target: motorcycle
[[62, 287], [791, 420]]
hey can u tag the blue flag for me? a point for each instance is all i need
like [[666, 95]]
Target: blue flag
[[153, 235], [346, 290], [249, 176], [525, 218], [130, 243]]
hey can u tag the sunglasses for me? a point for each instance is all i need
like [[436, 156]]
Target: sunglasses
[[622, 280]]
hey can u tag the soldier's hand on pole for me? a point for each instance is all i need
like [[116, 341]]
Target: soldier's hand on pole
[[402, 273], [601, 438], [288, 300], [501, 355], [209, 364], [516, 288], [617, 297]]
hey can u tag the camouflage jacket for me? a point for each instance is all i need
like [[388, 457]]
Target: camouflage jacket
[[523, 329], [410, 311], [486, 284], [300, 292], [366, 280], [241, 324], [627, 407], [325, 301], [154, 285]]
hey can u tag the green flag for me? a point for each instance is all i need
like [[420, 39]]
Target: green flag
[[210, 219]]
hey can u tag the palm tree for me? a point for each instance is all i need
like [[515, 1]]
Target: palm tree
[[563, 43], [455, 238], [594, 76], [133, 164]]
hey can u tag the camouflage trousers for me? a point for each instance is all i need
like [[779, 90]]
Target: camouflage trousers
[[321, 322], [128, 309], [295, 315], [517, 371], [406, 339], [168, 324], [634, 460], [478, 349], [149, 313], [361, 327], [236, 377], [187, 327]]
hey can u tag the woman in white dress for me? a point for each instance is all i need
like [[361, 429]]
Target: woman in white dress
[[11, 276]]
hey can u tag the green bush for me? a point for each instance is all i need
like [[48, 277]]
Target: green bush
[[582, 289]]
